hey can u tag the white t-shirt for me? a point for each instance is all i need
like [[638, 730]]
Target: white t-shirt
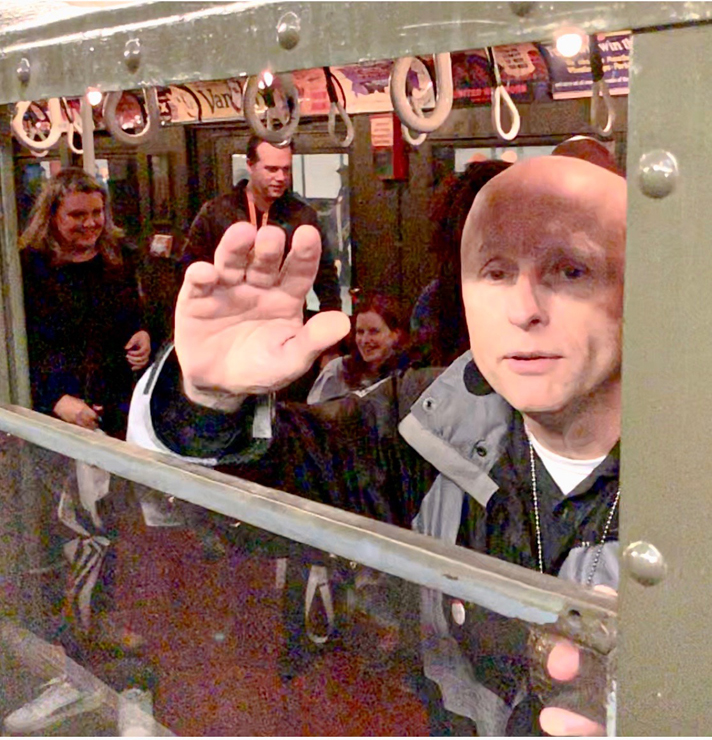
[[567, 473]]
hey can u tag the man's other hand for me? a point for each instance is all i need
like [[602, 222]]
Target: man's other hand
[[239, 322], [563, 664]]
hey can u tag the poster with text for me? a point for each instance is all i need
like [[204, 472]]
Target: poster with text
[[571, 76]]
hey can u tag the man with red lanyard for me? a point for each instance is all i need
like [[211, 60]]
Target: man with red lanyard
[[264, 198]]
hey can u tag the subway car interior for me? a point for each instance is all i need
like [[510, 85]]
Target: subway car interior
[[144, 592]]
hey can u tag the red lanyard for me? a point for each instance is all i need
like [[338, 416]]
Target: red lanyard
[[253, 212]]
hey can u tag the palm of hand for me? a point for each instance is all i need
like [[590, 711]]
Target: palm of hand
[[239, 326]]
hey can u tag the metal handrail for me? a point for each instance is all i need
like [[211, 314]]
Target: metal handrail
[[504, 588]]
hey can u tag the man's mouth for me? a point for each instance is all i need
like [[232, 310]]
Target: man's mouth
[[532, 356], [531, 363]]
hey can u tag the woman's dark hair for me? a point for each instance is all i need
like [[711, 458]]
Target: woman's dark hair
[[356, 369], [40, 234], [443, 337]]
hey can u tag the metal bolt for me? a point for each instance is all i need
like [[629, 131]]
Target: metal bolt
[[522, 9], [288, 29], [23, 71], [657, 173], [132, 54], [645, 563]]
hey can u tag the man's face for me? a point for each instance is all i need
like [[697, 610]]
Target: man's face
[[270, 175], [543, 258]]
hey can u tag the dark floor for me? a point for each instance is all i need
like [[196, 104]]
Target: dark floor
[[215, 633]]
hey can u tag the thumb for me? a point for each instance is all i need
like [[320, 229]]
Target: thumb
[[321, 332]]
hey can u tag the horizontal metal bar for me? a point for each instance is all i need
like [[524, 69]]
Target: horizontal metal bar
[[218, 41], [501, 587]]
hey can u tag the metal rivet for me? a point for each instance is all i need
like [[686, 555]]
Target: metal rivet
[[657, 173], [288, 29], [429, 404], [521, 9], [645, 563], [458, 613], [23, 71], [132, 54]]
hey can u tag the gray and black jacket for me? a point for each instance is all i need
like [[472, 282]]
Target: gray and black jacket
[[442, 455]]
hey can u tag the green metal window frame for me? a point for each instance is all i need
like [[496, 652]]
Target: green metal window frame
[[665, 657]]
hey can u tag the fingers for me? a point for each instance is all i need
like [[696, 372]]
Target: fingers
[[302, 262], [319, 333], [564, 661], [563, 723], [200, 279], [233, 253], [263, 267]]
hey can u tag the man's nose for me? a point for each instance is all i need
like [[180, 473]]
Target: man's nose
[[526, 302]]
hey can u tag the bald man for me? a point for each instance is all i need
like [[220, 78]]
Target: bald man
[[512, 451]]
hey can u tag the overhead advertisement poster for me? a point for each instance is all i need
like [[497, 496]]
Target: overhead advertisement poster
[[216, 100], [522, 70], [366, 87], [529, 72], [571, 76]]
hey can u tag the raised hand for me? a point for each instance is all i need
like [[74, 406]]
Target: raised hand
[[239, 322]]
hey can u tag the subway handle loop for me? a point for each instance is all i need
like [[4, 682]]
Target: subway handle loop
[[349, 137], [412, 137], [283, 135], [57, 125], [153, 117], [335, 108], [417, 122], [500, 95], [409, 136], [601, 102], [74, 126]]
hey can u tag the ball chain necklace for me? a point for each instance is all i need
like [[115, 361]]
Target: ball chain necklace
[[537, 524]]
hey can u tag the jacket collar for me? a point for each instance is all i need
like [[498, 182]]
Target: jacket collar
[[459, 425]]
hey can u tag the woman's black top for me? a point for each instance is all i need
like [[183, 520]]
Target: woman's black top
[[79, 317]]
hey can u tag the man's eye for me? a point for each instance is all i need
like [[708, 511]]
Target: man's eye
[[495, 274], [573, 272]]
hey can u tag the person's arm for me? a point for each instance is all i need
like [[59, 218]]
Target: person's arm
[[326, 285], [201, 241]]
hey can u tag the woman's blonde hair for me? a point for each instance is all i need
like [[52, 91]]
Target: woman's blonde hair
[[40, 233]]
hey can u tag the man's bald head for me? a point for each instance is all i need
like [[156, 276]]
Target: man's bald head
[[548, 191], [542, 274]]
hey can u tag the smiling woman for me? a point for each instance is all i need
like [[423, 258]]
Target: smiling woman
[[379, 338], [85, 341]]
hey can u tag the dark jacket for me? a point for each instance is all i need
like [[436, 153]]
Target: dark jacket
[[445, 456], [288, 212], [79, 317]]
